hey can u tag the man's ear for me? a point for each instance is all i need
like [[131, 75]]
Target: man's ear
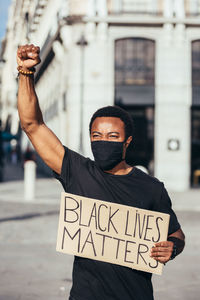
[[128, 141], [125, 146]]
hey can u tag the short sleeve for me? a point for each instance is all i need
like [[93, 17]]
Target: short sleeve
[[71, 164], [166, 207]]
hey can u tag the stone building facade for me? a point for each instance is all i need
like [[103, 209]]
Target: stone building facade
[[141, 55]]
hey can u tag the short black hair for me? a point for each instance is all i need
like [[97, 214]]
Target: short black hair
[[118, 112]]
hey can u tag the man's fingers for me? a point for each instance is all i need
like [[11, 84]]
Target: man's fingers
[[22, 52], [161, 249], [161, 254], [32, 55], [161, 257], [37, 50], [28, 51], [164, 244], [32, 48], [158, 256], [162, 260], [28, 56]]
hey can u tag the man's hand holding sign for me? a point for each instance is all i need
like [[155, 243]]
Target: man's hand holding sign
[[112, 231], [162, 251]]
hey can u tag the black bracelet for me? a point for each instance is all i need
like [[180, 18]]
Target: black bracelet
[[174, 252], [178, 243]]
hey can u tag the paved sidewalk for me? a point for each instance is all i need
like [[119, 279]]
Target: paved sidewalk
[[48, 191], [31, 268]]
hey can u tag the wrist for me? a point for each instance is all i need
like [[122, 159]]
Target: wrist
[[174, 251], [178, 246], [26, 71]]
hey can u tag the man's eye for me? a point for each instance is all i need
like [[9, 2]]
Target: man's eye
[[114, 136]]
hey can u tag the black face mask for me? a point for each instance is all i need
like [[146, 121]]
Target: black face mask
[[107, 154]]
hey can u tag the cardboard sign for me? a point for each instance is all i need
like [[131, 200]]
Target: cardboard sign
[[110, 232]]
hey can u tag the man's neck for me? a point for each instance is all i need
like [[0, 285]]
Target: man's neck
[[120, 169]]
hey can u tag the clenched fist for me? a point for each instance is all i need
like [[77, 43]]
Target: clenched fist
[[28, 56]]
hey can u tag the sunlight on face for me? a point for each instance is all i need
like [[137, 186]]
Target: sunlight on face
[[107, 129]]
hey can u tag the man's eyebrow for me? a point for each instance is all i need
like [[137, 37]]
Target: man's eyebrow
[[113, 132], [116, 132]]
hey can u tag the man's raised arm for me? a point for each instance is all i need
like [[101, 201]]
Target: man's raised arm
[[43, 139]]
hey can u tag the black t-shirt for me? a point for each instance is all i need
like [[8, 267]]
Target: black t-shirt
[[95, 280]]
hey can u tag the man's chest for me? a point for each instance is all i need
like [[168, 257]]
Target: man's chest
[[125, 192]]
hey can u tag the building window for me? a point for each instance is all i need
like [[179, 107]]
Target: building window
[[192, 7], [196, 72], [151, 7], [64, 101], [134, 62], [196, 63], [135, 92]]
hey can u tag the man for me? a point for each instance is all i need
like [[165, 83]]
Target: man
[[108, 178]]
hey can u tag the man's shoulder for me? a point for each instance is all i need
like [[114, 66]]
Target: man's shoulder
[[74, 155], [146, 178]]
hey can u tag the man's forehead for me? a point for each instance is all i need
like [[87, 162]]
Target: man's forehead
[[109, 120], [114, 122]]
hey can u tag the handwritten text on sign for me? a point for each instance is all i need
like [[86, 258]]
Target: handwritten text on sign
[[110, 232]]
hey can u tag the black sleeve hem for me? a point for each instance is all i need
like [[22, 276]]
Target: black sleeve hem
[[174, 229], [62, 176]]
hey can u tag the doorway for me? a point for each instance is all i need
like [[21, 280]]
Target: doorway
[[135, 92], [195, 115], [195, 146], [141, 150]]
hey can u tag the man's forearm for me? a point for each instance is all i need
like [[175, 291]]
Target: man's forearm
[[28, 106]]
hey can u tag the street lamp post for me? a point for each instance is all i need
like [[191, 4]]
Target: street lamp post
[[82, 43], [2, 61]]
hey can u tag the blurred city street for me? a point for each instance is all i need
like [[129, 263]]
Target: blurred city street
[[32, 269]]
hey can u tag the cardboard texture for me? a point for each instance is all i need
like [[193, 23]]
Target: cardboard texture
[[110, 232]]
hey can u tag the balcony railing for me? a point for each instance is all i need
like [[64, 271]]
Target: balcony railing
[[167, 8], [78, 7], [192, 8], [149, 7]]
